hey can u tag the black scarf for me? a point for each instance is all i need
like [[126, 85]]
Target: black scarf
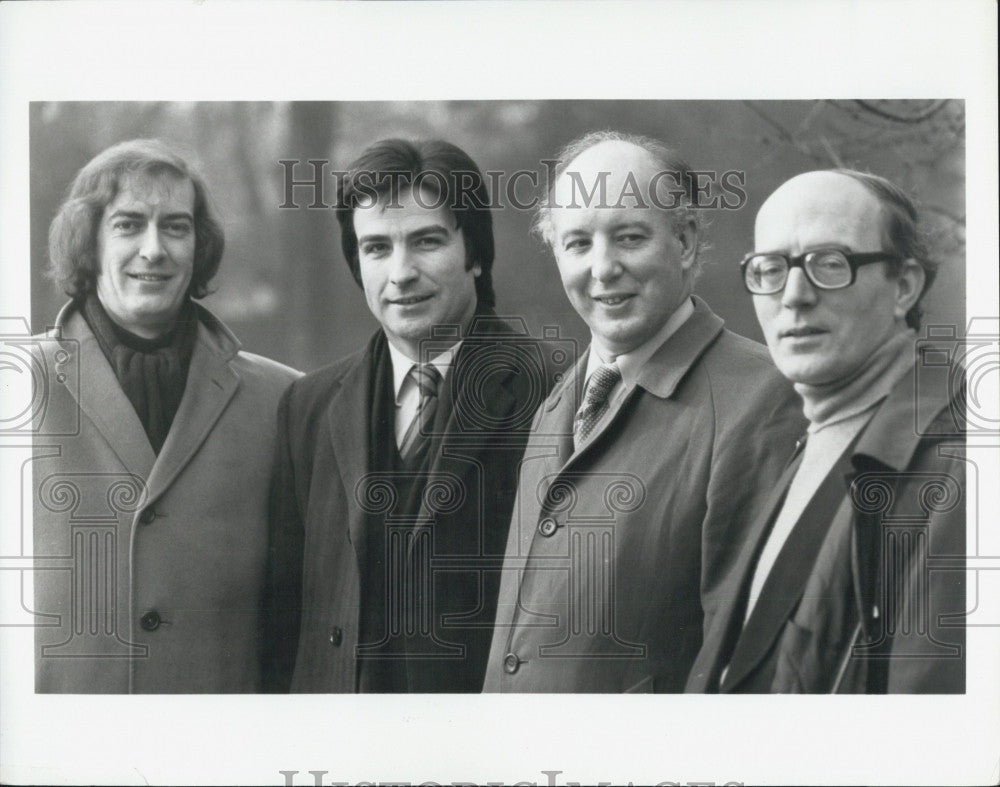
[[151, 372]]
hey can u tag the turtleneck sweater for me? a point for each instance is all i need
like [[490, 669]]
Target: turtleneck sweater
[[151, 372], [837, 412]]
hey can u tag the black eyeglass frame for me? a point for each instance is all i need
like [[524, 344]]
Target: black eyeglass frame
[[854, 261]]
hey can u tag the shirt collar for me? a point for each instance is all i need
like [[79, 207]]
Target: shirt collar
[[631, 362], [401, 365]]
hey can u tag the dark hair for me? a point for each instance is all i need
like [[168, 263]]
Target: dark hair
[[73, 262], [393, 165], [667, 159], [900, 232]]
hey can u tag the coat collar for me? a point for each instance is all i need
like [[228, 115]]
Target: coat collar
[[211, 383], [660, 376], [902, 419], [917, 406], [665, 369], [668, 365]]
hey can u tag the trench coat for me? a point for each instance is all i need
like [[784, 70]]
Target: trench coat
[[874, 599], [613, 548], [149, 569]]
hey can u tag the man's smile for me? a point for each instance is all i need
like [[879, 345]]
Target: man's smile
[[410, 300], [613, 299], [149, 276]]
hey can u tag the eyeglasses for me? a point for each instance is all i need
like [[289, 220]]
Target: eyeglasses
[[826, 269]]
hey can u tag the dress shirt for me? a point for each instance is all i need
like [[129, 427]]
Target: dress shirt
[[406, 391]]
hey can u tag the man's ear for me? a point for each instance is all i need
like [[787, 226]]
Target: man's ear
[[687, 236], [909, 287]]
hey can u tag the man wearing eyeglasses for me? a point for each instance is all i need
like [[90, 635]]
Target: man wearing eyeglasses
[[847, 581]]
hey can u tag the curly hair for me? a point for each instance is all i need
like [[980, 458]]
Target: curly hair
[[73, 259]]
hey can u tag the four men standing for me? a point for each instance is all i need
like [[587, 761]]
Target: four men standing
[[424, 534]]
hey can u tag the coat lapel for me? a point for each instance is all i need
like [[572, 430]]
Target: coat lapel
[[492, 397], [784, 584], [661, 374], [557, 421], [728, 621], [101, 398], [211, 384], [348, 419]]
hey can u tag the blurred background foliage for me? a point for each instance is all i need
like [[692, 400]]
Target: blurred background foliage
[[285, 290]]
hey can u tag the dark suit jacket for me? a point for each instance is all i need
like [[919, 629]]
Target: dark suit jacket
[[877, 565], [329, 500], [613, 548]]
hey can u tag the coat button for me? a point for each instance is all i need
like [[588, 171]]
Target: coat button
[[511, 663], [150, 621], [336, 636], [547, 526], [147, 516]]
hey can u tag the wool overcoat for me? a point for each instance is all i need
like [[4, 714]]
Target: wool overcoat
[[150, 568]]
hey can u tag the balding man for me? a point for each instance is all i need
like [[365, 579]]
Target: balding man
[[645, 462], [835, 589]]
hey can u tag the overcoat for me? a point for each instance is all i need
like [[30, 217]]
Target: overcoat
[[869, 597], [329, 500], [150, 568], [613, 548]]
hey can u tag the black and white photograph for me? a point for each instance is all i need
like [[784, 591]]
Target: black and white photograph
[[349, 390]]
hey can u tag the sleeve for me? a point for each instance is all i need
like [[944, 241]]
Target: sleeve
[[758, 421], [282, 604], [928, 649]]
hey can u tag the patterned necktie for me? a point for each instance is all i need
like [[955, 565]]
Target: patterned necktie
[[595, 401], [418, 434]]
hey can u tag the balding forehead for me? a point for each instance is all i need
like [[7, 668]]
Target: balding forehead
[[819, 208], [616, 163]]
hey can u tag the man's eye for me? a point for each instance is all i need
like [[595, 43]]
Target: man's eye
[[429, 242], [577, 244], [374, 249], [125, 226], [631, 239], [177, 229]]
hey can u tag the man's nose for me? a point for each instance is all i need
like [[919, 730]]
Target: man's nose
[[152, 246], [799, 292], [605, 264], [401, 270]]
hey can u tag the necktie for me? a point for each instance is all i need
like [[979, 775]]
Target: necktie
[[595, 401], [418, 434]]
